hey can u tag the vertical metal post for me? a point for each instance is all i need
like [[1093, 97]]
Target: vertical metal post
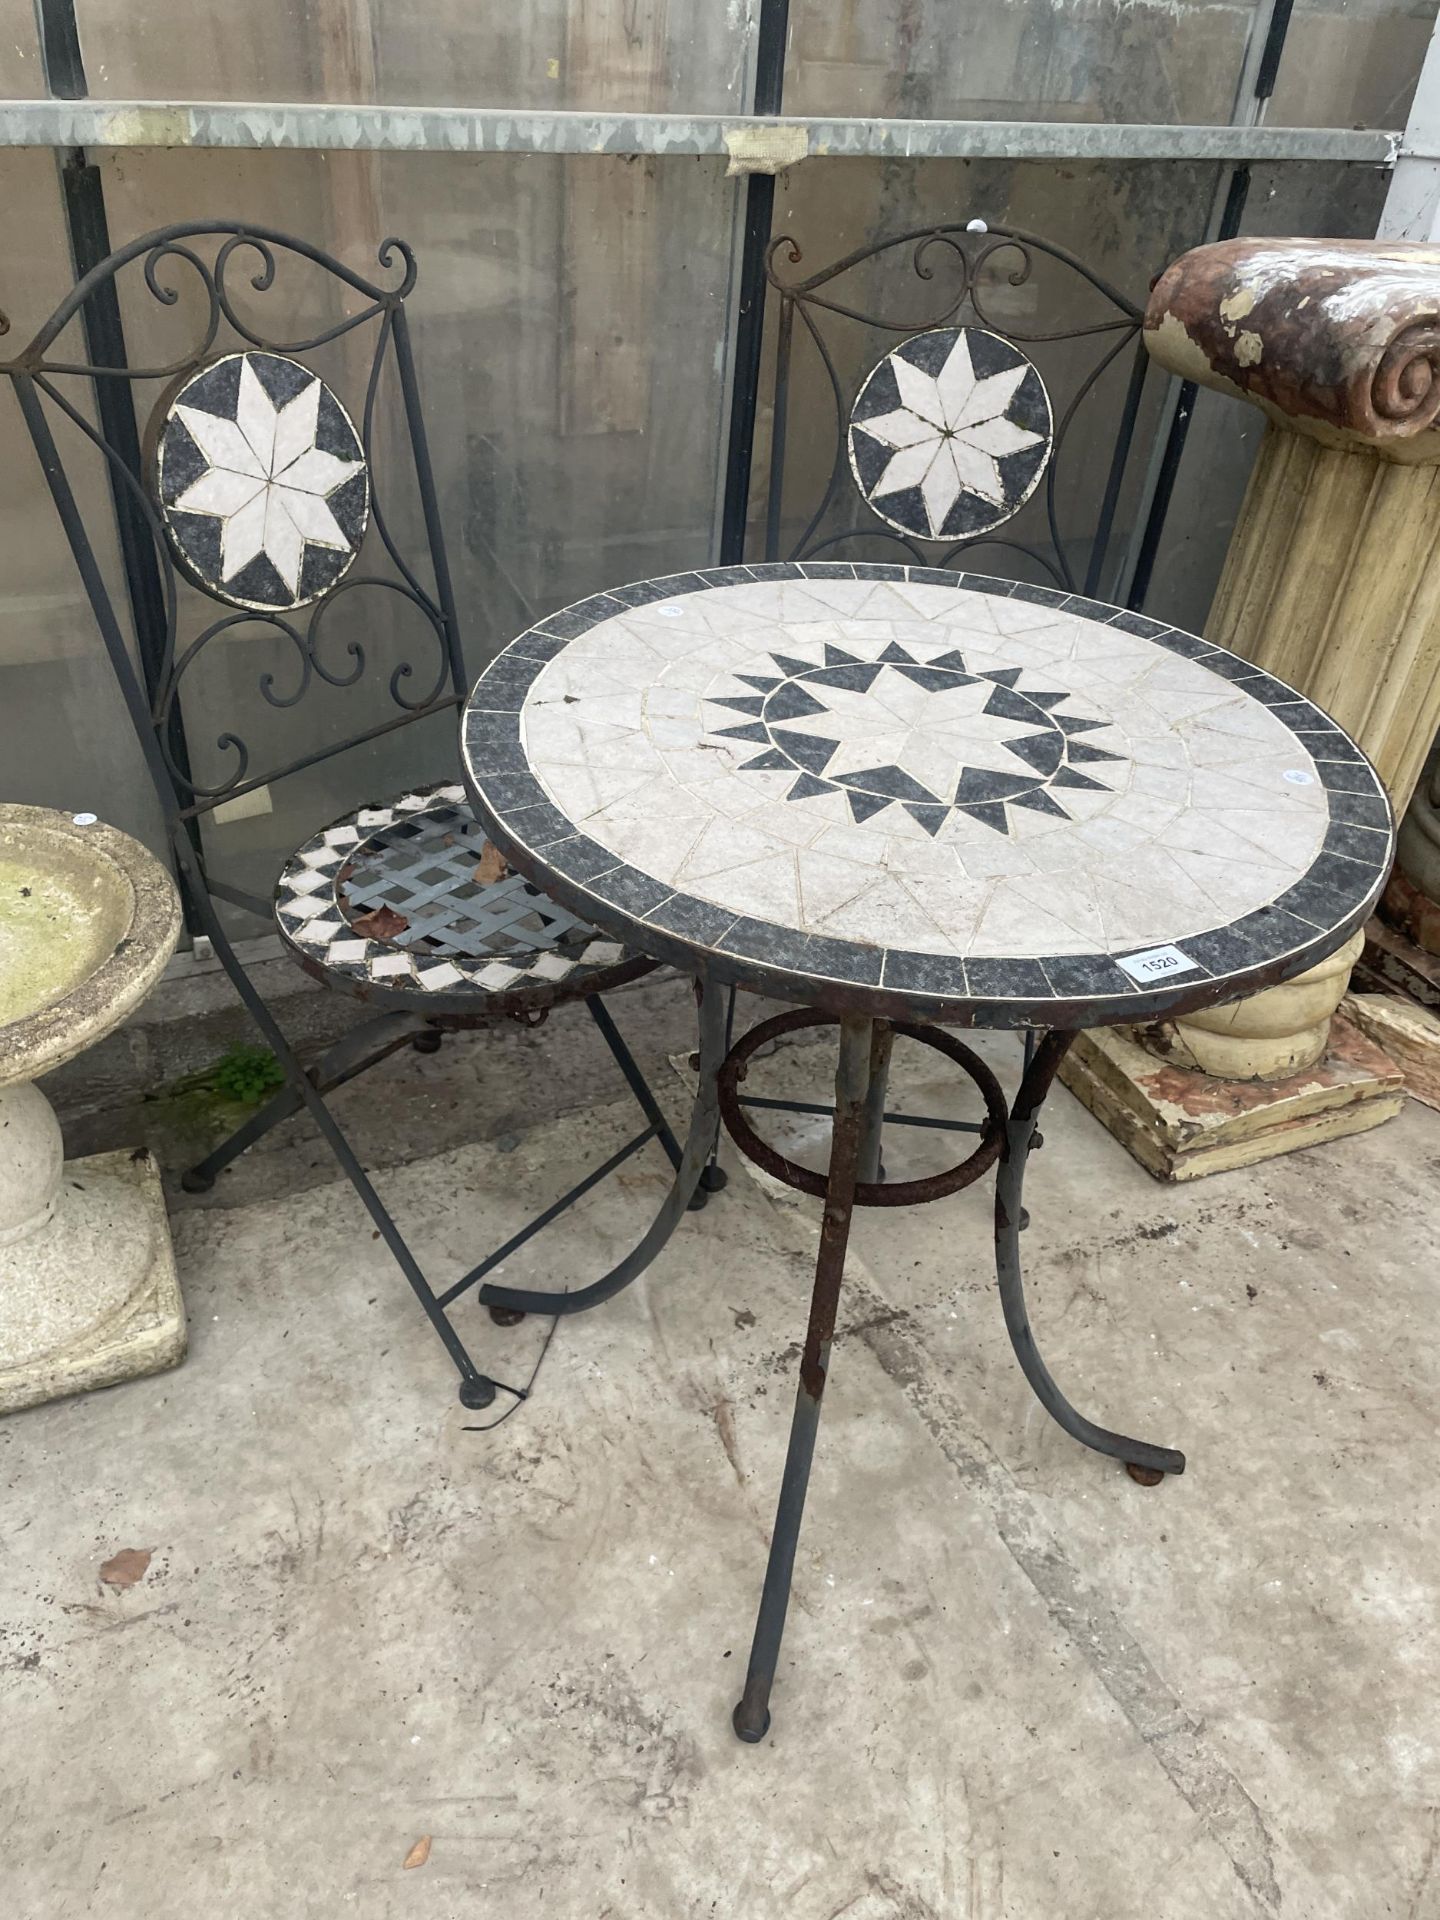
[[1412, 205], [83, 194], [750, 319], [779, 425], [751, 1718], [1231, 215], [1119, 461], [429, 505], [1257, 82]]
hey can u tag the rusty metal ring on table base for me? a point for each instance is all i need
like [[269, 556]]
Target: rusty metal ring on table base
[[868, 1193]]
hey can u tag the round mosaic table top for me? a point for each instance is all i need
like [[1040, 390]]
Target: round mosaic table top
[[892, 789]]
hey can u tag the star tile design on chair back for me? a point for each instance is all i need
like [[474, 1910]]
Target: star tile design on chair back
[[950, 433], [262, 479]]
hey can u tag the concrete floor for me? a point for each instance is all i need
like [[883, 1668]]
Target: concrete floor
[[1015, 1685]]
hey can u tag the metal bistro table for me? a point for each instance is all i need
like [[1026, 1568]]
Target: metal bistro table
[[911, 800]]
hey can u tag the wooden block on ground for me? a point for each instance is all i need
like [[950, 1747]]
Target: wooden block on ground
[[1412, 913], [1181, 1125], [1409, 1034], [1396, 961]]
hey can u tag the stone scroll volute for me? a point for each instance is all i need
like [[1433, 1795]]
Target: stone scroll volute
[[1338, 340]]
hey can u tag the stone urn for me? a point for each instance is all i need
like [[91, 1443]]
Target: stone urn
[[88, 1294]]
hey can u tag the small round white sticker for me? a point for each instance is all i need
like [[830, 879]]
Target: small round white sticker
[[670, 613], [1298, 777], [84, 819]]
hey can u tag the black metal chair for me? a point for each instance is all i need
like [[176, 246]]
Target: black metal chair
[[842, 504], [250, 482]]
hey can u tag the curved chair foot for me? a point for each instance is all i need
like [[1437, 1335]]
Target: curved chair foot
[[1140, 1458], [429, 1041], [506, 1316], [196, 1180], [699, 1144], [476, 1392]]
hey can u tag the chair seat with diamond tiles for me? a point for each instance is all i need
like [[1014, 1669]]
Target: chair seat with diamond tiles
[[408, 905]]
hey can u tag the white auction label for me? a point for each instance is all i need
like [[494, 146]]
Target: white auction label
[[1156, 963]]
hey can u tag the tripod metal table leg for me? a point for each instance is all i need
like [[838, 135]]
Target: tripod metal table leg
[[1145, 1462], [848, 1143]]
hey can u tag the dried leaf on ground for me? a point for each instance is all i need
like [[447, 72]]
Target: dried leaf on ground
[[381, 924], [419, 1853], [492, 865], [126, 1567]]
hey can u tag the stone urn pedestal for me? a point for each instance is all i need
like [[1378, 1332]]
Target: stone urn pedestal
[[88, 1293]]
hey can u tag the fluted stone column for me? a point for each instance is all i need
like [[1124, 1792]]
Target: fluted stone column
[[1332, 583]]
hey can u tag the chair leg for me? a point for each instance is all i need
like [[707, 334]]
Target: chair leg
[[645, 1098], [359, 1050], [201, 1177], [634, 1079], [477, 1390], [699, 1144]]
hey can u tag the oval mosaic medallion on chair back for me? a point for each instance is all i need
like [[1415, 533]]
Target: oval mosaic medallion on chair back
[[261, 433], [950, 433], [262, 481], [956, 396]]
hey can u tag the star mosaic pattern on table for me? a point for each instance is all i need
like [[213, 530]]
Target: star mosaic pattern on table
[[449, 939], [913, 727], [930, 785], [263, 484], [950, 433]]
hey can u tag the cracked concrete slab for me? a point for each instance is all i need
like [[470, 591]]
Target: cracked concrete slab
[[1014, 1685]]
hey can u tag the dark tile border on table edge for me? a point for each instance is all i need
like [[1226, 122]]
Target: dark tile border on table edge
[[889, 981]]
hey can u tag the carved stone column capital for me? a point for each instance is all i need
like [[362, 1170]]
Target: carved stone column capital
[[1338, 340]]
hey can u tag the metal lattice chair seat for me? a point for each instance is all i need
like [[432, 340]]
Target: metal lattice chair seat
[[406, 904]]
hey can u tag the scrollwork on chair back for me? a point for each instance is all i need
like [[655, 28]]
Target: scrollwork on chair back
[[949, 433], [256, 488]]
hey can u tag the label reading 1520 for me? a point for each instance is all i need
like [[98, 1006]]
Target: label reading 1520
[[1156, 963]]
